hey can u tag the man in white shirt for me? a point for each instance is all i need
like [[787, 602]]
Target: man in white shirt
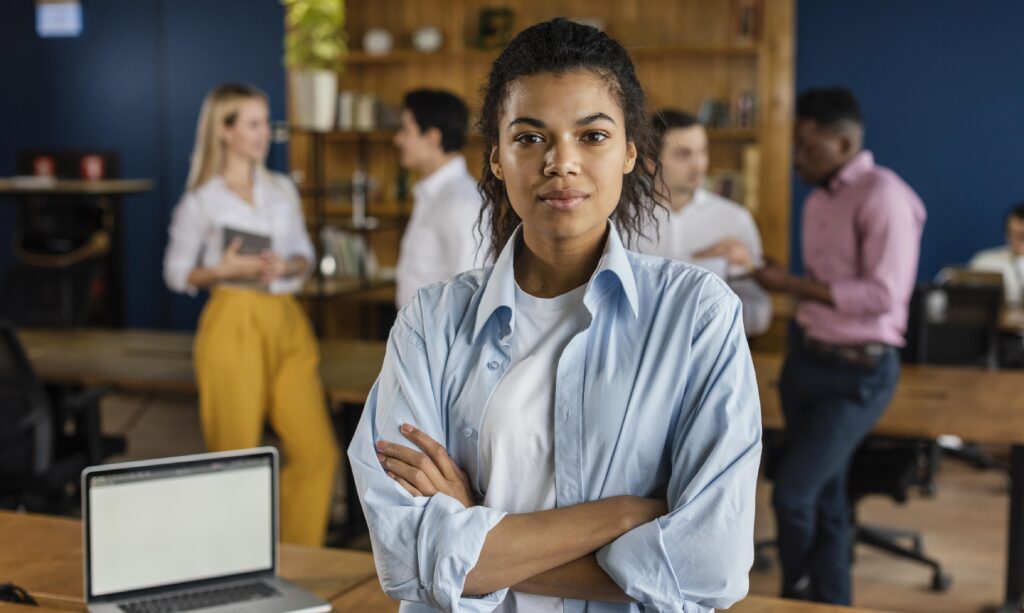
[[440, 239], [1007, 260], [702, 227]]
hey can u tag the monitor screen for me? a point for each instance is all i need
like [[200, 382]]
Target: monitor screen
[[58, 18], [165, 525]]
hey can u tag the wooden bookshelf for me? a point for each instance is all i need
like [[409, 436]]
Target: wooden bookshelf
[[685, 51]]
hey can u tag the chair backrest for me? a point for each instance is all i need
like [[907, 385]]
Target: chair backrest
[[956, 322], [26, 428]]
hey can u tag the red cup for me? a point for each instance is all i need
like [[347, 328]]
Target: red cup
[[91, 167], [44, 166]]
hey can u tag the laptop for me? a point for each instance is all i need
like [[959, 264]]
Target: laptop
[[191, 533]]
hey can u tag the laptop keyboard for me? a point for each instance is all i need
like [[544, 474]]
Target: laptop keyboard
[[201, 599]]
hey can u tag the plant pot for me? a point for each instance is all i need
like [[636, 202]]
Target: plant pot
[[315, 95]]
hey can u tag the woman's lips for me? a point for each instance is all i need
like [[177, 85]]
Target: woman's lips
[[564, 199]]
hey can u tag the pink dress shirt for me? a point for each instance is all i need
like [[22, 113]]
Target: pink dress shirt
[[862, 237]]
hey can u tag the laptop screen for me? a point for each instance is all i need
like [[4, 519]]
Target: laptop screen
[[169, 523]]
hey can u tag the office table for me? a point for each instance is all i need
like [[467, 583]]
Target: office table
[[984, 406], [43, 555]]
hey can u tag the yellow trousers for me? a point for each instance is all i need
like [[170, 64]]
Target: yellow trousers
[[255, 359]]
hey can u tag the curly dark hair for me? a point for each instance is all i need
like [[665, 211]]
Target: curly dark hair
[[560, 46]]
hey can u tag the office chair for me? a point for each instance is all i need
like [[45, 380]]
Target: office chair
[[955, 321], [40, 457]]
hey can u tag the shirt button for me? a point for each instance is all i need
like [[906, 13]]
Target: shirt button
[[467, 432], [492, 365]]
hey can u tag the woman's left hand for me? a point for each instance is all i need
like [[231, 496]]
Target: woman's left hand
[[426, 473]]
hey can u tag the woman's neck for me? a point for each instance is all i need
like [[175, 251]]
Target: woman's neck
[[238, 175], [546, 267]]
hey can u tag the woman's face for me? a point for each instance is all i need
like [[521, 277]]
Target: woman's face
[[249, 136], [562, 153]]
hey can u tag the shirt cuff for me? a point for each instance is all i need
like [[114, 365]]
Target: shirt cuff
[[638, 563], [450, 547]]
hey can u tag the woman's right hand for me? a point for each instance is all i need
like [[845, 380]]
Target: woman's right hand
[[234, 266]]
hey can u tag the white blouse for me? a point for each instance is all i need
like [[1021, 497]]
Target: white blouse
[[198, 223]]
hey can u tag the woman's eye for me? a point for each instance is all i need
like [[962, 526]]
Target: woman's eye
[[595, 137], [528, 139]]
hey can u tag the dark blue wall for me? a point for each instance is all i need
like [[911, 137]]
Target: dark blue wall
[[941, 84], [133, 82]]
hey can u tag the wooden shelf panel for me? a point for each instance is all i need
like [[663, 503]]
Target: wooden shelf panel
[[407, 56]]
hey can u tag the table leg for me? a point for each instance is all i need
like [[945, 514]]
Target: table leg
[[1015, 558]]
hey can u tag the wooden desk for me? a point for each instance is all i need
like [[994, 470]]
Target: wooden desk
[[984, 406], [159, 361], [43, 555], [368, 597]]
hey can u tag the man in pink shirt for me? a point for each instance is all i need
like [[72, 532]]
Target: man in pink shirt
[[861, 238]]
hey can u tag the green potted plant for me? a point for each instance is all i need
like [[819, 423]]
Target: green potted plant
[[314, 48]]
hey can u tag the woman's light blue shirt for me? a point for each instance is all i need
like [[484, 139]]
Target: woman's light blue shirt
[[655, 398]]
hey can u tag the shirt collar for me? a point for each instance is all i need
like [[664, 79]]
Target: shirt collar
[[500, 289], [430, 186], [857, 167]]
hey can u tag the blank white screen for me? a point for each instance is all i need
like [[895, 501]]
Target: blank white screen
[[169, 530]]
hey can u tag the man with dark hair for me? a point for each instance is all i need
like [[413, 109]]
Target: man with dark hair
[[1007, 260], [861, 240], [699, 226], [438, 242]]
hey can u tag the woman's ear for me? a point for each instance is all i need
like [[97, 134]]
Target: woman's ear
[[496, 163], [630, 162]]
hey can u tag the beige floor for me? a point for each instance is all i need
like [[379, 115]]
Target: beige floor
[[964, 525]]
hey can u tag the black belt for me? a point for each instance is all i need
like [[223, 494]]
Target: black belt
[[868, 354]]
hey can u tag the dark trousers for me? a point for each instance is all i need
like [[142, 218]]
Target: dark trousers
[[830, 405]]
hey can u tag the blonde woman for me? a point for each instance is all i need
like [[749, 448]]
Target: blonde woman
[[255, 354]]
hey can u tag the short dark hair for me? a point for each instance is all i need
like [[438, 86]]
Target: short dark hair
[[434, 108], [1015, 212], [558, 47], [670, 119], [829, 107]]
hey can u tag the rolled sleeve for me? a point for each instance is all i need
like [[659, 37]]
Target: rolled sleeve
[[888, 254], [423, 547], [697, 558], [188, 227]]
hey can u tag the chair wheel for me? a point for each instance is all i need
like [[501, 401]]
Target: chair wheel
[[941, 581], [763, 562]]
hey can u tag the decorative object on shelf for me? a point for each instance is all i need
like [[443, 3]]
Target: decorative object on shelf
[[364, 116], [495, 27], [594, 22], [746, 109], [314, 49], [91, 167], [378, 41], [346, 109], [713, 113], [748, 20], [427, 39]]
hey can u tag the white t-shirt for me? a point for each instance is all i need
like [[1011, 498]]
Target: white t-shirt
[[1002, 260], [199, 220], [440, 240], [517, 438], [706, 220]]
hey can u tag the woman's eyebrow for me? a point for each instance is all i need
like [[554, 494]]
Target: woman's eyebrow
[[536, 123], [530, 121], [595, 117]]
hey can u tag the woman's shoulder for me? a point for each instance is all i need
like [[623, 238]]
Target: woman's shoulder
[[280, 182], [680, 285], [444, 309]]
